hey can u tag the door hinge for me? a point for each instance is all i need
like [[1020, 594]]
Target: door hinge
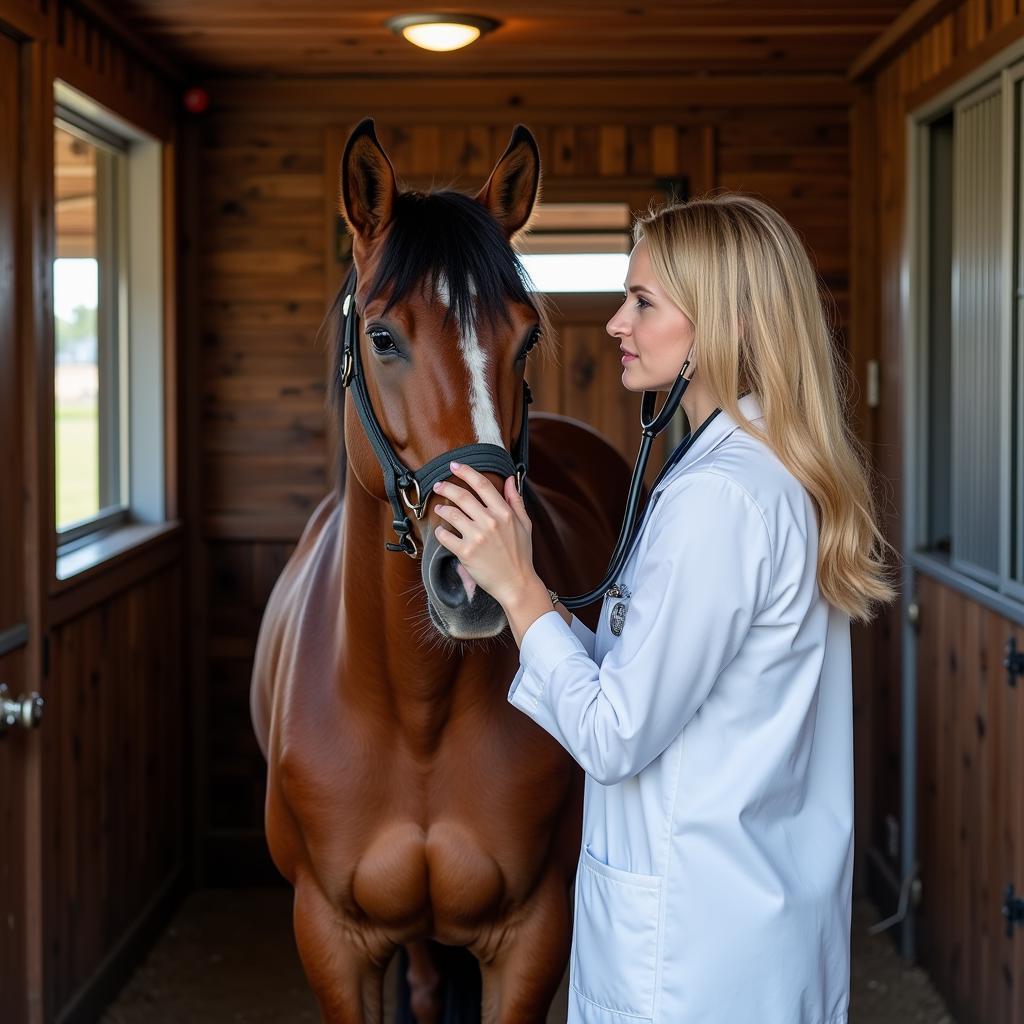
[[1013, 662]]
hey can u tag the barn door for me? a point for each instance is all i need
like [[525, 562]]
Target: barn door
[[19, 710]]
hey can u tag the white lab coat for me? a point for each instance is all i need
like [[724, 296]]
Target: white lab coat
[[716, 732]]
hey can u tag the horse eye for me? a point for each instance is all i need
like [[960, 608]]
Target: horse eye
[[382, 341], [533, 340]]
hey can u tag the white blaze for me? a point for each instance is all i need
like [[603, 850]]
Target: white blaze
[[485, 420]]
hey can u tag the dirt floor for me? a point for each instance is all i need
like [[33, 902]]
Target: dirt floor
[[228, 956]]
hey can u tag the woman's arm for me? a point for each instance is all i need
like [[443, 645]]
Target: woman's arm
[[704, 576]]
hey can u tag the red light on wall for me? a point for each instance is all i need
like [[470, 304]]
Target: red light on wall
[[196, 100]]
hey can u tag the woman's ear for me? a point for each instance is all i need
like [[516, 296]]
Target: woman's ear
[[512, 188], [368, 185]]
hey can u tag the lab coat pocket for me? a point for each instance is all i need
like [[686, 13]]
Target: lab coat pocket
[[615, 952]]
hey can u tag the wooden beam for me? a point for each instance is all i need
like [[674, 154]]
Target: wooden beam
[[917, 18], [116, 26], [995, 42], [540, 97]]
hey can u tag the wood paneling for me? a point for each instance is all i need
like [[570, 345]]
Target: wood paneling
[[114, 779], [239, 579], [320, 37], [970, 806], [95, 54]]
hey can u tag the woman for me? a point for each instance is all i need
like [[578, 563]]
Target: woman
[[712, 709]]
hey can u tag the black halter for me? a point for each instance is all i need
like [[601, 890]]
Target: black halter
[[399, 480]]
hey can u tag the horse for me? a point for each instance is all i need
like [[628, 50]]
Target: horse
[[408, 803]]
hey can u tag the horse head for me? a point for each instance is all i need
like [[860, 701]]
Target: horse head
[[446, 318]]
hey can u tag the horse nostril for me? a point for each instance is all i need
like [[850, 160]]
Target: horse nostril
[[450, 586]]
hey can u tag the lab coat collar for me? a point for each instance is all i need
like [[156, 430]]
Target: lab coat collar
[[714, 434]]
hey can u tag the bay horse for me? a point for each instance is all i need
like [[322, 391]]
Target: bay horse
[[408, 803]]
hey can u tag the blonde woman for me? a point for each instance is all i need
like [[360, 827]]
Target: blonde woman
[[712, 709]]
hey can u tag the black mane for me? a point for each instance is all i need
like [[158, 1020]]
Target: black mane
[[449, 235]]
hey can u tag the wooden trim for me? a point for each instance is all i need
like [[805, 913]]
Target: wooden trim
[[917, 18], [77, 594], [116, 27], [171, 346], [196, 612], [541, 98], [993, 44], [99, 88]]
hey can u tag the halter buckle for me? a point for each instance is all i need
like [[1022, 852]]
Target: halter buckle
[[406, 542], [520, 477], [415, 505], [346, 368]]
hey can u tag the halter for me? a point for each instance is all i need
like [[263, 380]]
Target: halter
[[404, 486]]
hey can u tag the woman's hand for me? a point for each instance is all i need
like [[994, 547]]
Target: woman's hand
[[494, 540]]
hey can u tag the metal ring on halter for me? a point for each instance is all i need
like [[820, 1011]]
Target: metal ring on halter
[[416, 507], [520, 474]]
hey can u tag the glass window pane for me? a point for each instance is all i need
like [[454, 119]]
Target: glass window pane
[[76, 284], [577, 272]]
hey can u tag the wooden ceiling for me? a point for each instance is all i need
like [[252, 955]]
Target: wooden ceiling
[[338, 37]]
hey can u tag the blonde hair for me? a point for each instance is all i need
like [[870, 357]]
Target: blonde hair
[[738, 270]]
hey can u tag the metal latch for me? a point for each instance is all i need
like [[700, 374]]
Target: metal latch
[[1013, 662], [1013, 910]]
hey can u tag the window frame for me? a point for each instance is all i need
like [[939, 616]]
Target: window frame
[[143, 298], [111, 330], [1005, 595]]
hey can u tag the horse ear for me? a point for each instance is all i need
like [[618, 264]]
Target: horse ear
[[512, 188], [368, 186]]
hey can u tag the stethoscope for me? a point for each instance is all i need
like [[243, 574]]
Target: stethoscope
[[652, 425]]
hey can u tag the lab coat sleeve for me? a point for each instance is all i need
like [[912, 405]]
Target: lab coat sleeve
[[705, 574], [585, 636]]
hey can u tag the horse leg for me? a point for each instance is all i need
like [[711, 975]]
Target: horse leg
[[345, 974], [424, 984], [520, 980]]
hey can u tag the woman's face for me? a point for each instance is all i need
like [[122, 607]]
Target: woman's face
[[655, 335]]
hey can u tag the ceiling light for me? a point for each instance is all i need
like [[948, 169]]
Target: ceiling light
[[441, 31]]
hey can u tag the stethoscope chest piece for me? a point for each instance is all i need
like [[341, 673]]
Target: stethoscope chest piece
[[617, 611]]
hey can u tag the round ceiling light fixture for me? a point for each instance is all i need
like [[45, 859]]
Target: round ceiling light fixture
[[441, 31]]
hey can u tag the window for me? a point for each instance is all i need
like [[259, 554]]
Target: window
[[88, 359], [108, 325], [967, 407], [578, 247]]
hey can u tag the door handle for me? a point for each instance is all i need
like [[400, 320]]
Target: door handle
[[26, 711]]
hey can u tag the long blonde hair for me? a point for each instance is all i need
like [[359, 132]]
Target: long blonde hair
[[738, 270]]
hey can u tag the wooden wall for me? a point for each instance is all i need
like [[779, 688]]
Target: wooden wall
[[969, 793], [970, 808], [108, 833], [113, 762], [265, 188]]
